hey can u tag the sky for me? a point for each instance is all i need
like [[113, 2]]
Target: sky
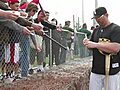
[[64, 10]]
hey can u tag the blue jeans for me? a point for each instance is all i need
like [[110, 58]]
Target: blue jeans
[[24, 55]]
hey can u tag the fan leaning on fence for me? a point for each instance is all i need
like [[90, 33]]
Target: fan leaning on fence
[[105, 44], [35, 40], [12, 48], [24, 33]]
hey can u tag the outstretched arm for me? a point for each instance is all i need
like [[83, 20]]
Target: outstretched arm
[[8, 15], [13, 25]]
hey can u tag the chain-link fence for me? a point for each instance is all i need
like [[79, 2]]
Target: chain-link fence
[[14, 55], [19, 58]]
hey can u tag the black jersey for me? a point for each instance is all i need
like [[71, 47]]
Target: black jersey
[[112, 33]]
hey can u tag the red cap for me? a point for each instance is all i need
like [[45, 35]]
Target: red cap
[[24, 6], [35, 1], [13, 1]]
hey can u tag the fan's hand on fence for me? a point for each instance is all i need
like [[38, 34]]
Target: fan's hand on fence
[[36, 27], [38, 49], [40, 32]]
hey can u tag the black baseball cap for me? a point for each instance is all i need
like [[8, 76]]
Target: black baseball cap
[[99, 12]]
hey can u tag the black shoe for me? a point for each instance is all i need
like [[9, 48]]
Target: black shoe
[[17, 78], [2, 77], [31, 71], [38, 70]]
